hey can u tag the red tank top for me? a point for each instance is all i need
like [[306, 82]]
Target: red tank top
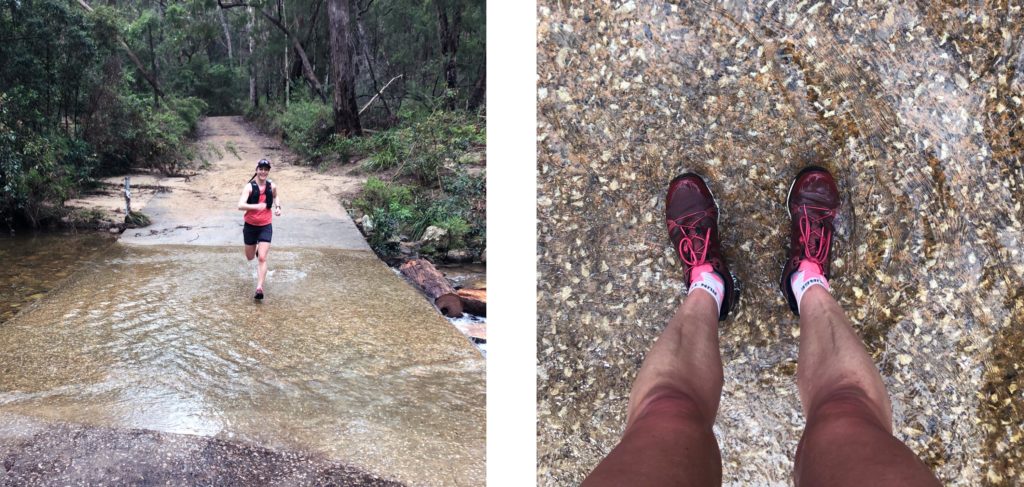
[[260, 217]]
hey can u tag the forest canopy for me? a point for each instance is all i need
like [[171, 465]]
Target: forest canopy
[[102, 88]]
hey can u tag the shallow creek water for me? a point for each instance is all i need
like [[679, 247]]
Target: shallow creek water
[[915, 107], [34, 263], [169, 339]]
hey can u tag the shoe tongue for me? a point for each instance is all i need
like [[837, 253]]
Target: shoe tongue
[[701, 269], [809, 267]]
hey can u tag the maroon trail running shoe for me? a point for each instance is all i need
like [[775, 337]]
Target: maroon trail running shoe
[[812, 204], [692, 217]]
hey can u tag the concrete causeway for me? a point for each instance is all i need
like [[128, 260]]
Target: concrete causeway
[[345, 374]]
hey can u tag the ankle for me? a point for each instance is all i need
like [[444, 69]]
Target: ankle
[[704, 278], [807, 276]]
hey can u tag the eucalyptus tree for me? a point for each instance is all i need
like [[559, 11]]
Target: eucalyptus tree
[[346, 115]]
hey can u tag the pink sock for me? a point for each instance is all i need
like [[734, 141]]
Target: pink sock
[[707, 279], [807, 275]]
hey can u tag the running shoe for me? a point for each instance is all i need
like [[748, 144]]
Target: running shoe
[[813, 202], [692, 218]]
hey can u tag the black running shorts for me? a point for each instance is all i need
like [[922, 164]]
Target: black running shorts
[[253, 234]]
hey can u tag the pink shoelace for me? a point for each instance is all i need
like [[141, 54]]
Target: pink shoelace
[[815, 238], [692, 249]]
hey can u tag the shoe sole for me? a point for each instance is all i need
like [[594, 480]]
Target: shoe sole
[[789, 196], [718, 214]]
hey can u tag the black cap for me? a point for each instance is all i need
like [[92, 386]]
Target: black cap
[[263, 163]]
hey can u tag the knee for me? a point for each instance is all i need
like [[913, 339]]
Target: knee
[[671, 408], [843, 411], [262, 256], [847, 439], [849, 404]]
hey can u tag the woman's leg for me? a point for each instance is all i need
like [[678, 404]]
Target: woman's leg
[[264, 249], [672, 406], [848, 438], [250, 252]]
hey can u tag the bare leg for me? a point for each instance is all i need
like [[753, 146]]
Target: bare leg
[[848, 439], [264, 249], [250, 252], [668, 438]]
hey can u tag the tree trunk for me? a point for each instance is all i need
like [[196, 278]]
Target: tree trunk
[[227, 34], [254, 100], [423, 274], [479, 91], [152, 53], [308, 39], [346, 114], [284, 67], [474, 301], [448, 30]]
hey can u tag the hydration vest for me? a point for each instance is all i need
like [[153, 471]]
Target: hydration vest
[[254, 194]]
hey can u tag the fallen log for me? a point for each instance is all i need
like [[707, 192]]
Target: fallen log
[[423, 274], [474, 301]]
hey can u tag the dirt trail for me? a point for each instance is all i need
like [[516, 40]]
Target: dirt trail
[[201, 210]]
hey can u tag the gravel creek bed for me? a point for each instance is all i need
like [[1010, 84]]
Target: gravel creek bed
[[916, 108]]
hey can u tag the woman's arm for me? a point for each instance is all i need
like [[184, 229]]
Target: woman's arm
[[242, 205]]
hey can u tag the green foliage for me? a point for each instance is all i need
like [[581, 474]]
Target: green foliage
[[70, 109], [178, 45], [342, 148], [399, 211], [139, 135], [217, 85], [379, 194], [425, 150], [438, 140], [459, 209], [41, 173], [73, 106], [136, 219], [389, 207], [457, 230], [188, 110], [413, 48], [306, 125], [386, 149]]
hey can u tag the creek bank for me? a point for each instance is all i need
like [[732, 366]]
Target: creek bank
[[462, 297], [102, 208], [464, 267], [466, 284]]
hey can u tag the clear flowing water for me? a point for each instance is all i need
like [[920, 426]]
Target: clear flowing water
[[915, 107], [337, 360], [34, 263]]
